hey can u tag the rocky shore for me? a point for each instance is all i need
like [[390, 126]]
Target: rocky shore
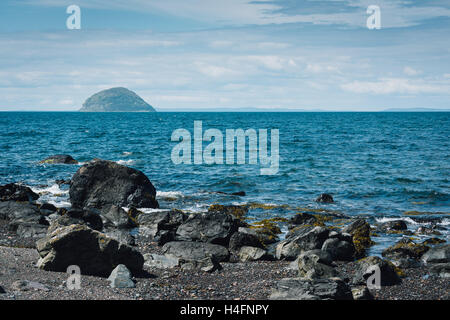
[[125, 253]]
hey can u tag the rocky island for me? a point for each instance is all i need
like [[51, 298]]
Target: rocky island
[[116, 100]]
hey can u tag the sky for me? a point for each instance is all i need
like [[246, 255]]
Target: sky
[[184, 55]]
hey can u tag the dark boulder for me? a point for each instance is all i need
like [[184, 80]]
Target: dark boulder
[[242, 239], [307, 289], [236, 211], [360, 230], [100, 183], [310, 266], [160, 226], [301, 219], [303, 239], [439, 254], [340, 250], [196, 250], [59, 159], [396, 225], [213, 227], [364, 269], [405, 248], [325, 198], [16, 192], [94, 252]]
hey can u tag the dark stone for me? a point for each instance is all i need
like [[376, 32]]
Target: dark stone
[[94, 252], [100, 183], [236, 211], [241, 239], [395, 225], [307, 289], [210, 227], [90, 217], [60, 159], [301, 218], [325, 198], [311, 267], [405, 248], [16, 192], [196, 250], [388, 274], [47, 209], [304, 239], [239, 193], [340, 250], [439, 254]]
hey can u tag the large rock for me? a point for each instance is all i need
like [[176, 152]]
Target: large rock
[[152, 225], [437, 255], [360, 230], [100, 183], [307, 289], [325, 198], [339, 249], [116, 217], [213, 227], [304, 239], [237, 211], [60, 159], [440, 269], [242, 239], [92, 251], [116, 100], [365, 268], [24, 218], [405, 253], [16, 192], [196, 250], [301, 218]]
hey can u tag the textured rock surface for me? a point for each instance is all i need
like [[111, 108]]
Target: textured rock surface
[[100, 183], [116, 100]]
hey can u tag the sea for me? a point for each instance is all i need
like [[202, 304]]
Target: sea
[[381, 166]]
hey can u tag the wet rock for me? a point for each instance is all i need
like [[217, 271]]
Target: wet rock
[[2, 290], [16, 192], [60, 182], [100, 183], [363, 270], [161, 261], [196, 250], [428, 230], [121, 277], [239, 193], [431, 241], [247, 253], [311, 267], [88, 217], [307, 289], [301, 219], [236, 211], [404, 250], [304, 239], [439, 254], [212, 227], [92, 251], [59, 159], [394, 225], [360, 231], [325, 198]]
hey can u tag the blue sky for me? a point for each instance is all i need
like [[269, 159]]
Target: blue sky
[[208, 54]]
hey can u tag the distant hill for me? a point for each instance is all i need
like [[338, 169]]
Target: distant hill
[[116, 100]]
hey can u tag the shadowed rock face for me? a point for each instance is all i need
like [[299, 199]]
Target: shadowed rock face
[[100, 183], [116, 100]]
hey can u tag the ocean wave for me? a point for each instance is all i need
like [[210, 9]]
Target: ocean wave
[[126, 162], [169, 194], [53, 190]]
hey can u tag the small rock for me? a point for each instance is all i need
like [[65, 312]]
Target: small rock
[[60, 159], [25, 285], [121, 278], [325, 198]]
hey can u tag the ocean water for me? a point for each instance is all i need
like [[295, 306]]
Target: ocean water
[[376, 165]]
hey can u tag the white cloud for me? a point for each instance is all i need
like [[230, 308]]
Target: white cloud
[[410, 71]]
